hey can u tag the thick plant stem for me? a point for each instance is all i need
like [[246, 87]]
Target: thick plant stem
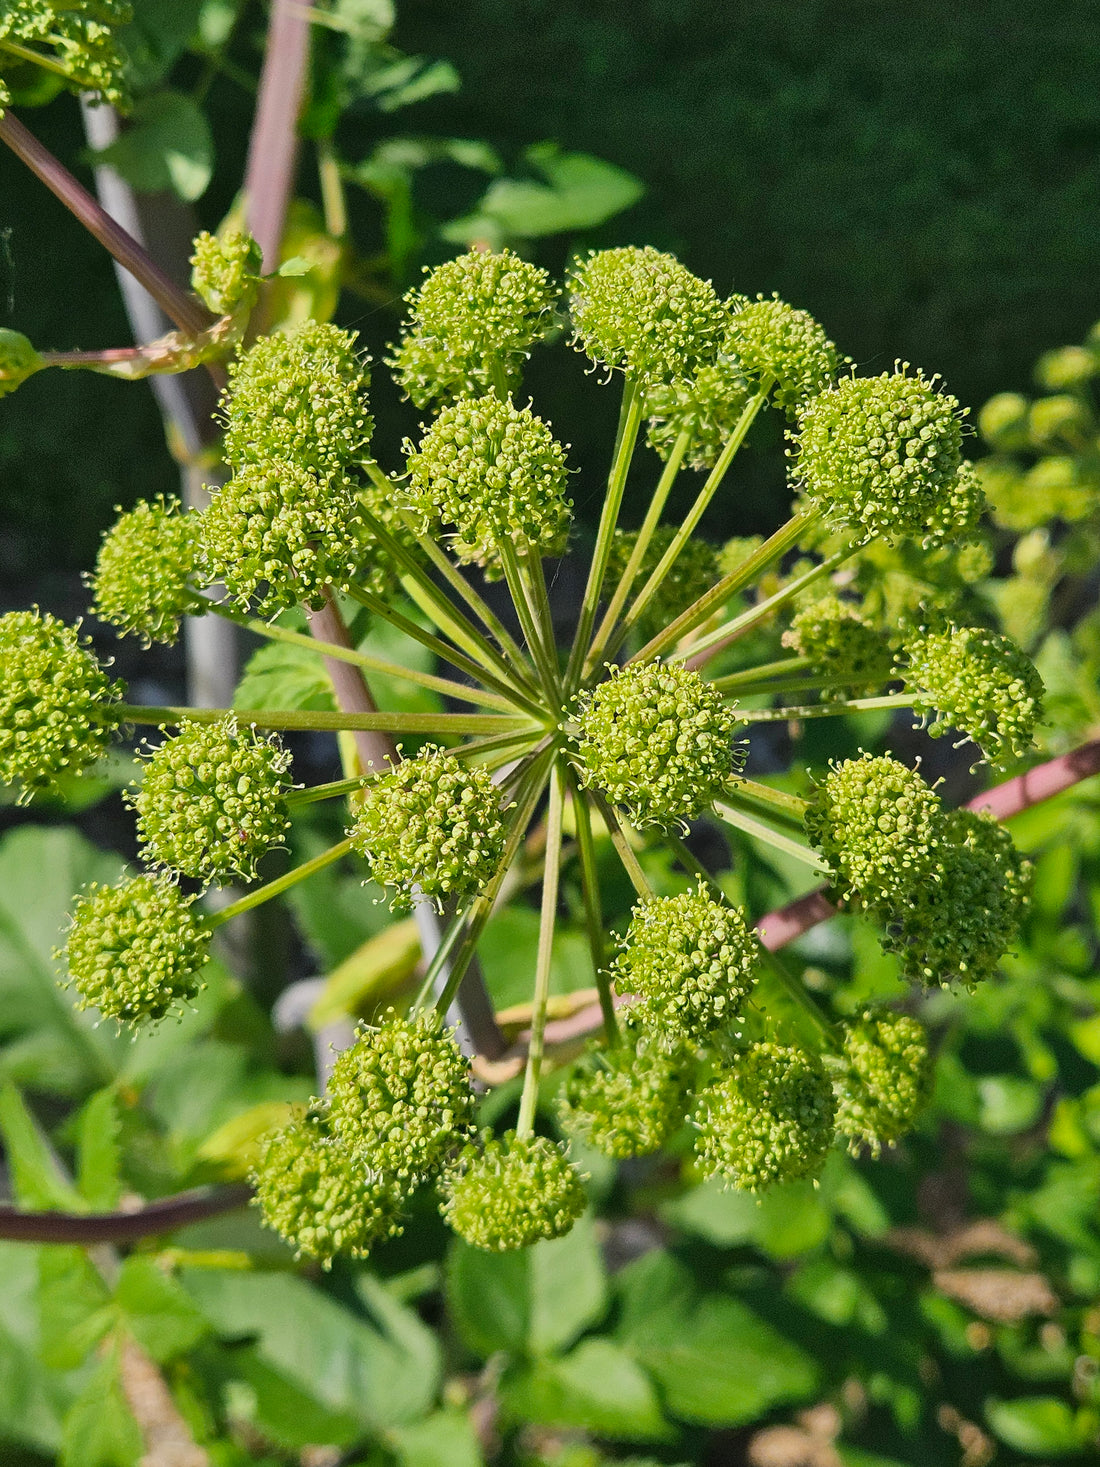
[[162, 1216], [593, 913], [188, 313], [749, 679], [534, 625], [695, 513], [637, 555], [781, 804], [273, 144], [544, 958], [280, 884], [744, 575], [630, 421], [617, 830]]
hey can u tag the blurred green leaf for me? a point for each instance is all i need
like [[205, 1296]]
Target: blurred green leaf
[[32, 1397], [783, 1223], [446, 1439], [168, 145], [100, 1430], [1009, 1104], [1041, 1426], [97, 1150], [38, 1179], [599, 1387], [156, 1310], [74, 1306], [282, 676]]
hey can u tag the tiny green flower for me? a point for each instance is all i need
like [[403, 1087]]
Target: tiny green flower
[[225, 270], [142, 579], [840, 642], [319, 1198], [979, 682], [80, 37], [299, 397], [769, 1118], [656, 738], [692, 961], [885, 1080], [773, 340], [512, 1192], [494, 471], [641, 310], [400, 1097], [212, 800], [432, 825], [55, 702], [473, 317], [626, 1100], [136, 951], [706, 406]]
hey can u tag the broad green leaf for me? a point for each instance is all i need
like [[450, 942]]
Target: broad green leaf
[[837, 1295], [412, 79], [446, 1439], [599, 1387], [307, 285], [717, 1363], [158, 33], [156, 1311], [1009, 1104], [38, 1179], [281, 1409], [1041, 1426], [533, 1302], [33, 1398], [787, 1221], [374, 972], [97, 1151], [235, 1146], [74, 1306], [345, 1362], [100, 1430], [296, 265], [282, 676], [168, 145]]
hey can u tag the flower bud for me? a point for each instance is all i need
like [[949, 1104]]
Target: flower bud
[[78, 41], [626, 1100], [225, 270], [885, 1081], [707, 406], [774, 340], [512, 1192], [141, 582], [1067, 367], [841, 643]]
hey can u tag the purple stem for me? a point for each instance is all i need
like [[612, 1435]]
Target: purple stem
[[162, 1216], [273, 146]]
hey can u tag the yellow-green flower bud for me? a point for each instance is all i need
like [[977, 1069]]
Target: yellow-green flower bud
[[626, 1100], [884, 1080], [78, 40], [512, 1192], [1067, 367], [136, 951], [706, 406], [212, 800], [841, 643], [142, 578], [769, 1118], [225, 270], [773, 340], [1003, 422]]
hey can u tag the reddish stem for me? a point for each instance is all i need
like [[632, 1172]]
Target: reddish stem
[[162, 1216], [273, 146]]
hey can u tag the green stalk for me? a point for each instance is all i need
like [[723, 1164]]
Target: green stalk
[[744, 575], [779, 804], [275, 633], [290, 719], [508, 746], [617, 830], [630, 421], [500, 380], [695, 867], [804, 1000], [821, 682], [749, 677], [695, 514], [593, 912], [637, 555], [701, 651], [749, 824], [529, 620], [544, 958], [280, 884], [829, 710], [530, 564], [36, 58]]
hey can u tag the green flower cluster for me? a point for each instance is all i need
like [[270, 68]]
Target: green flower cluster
[[19, 358], [841, 643], [883, 1081], [55, 702], [142, 583], [320, 1197], [212, 801], [949, 886], [495, 472], [225, 270], [692, 961], [769, 1118], [774, 341], [885, 454], [656, 738], [629, 1099], [692, 574], [642, 311], [431, 825], [705, 406], [978, 682], [80, 38], [471, 324], [512, 1191], [136, 951]]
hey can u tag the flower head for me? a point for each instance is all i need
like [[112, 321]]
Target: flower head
[[691, 960], [626, 1100], [80, 42], [432, 825], [142, 577], [320, 1198], [641, 310], [298, 397], [656, 738], [774, 341], [136, 951], [400, 1097], [840, 642], [705, 406], [225, 270], [54, 702], [478, 312], [212, 800], [885, 1082], [978, 682], [511, 1192], [494, 471], [769, 1118]]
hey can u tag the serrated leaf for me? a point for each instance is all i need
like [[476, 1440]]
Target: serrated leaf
[[168, 145], [281, 676], [74, 1306], [599, 1388], [38, 1179], [33, 1398], [156, 1311], [100, 1430], [97, 1150]]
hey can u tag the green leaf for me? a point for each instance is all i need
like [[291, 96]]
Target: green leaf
[[74, 1306], [717, 1362], [278, 675], [38, 1178], [533, 1302], [598, 1388], [32, 1397], [1009, 1104], [297, 265], [1041, 1426], [787, 1221], [446, 1439], [281, 1409], [168, 145], [100, 1430], [97, 1150], [154, 1308]]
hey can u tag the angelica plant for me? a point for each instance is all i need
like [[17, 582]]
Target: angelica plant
[[622, 738]]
